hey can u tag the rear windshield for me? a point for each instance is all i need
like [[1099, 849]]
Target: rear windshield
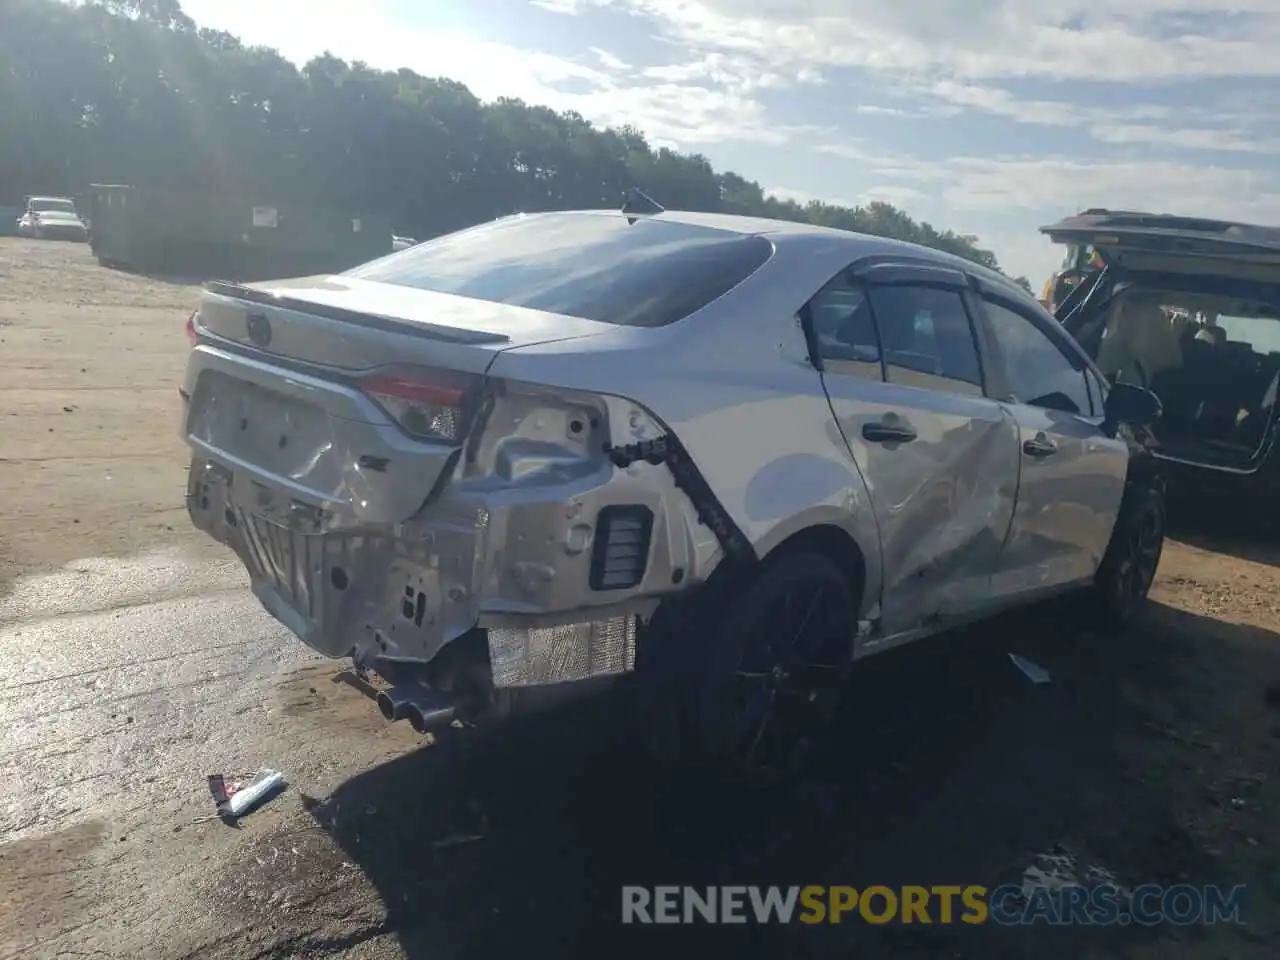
[[595, 266]]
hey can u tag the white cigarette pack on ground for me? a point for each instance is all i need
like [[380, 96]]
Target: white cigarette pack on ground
[[238, 799]]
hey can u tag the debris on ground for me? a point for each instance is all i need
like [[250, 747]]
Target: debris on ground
[[456, 840], [1059, 867], [235, 798], [1032, 671]]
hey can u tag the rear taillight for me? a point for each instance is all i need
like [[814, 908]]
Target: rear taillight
[[427, 404], [191, 327]]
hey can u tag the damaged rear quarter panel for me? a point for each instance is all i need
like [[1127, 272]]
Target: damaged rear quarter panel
[[752, 414], [507, 540], [537, 462]]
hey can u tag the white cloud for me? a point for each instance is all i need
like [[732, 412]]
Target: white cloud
[[870, 109], [1008, 184], [1133, 123], [730, 71], [1037, 183], [1005, 198], [1190, 138], [983, 39], [609, 61], [558, 6], [950, 57]]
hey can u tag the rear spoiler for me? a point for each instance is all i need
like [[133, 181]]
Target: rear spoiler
[[238, 291]]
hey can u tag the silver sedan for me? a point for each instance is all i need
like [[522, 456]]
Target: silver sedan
[[725, 457]]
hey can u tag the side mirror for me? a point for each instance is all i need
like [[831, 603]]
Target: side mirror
[[1131, 404]]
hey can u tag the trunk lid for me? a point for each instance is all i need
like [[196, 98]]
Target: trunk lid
[[337, 402], [1162, 243]]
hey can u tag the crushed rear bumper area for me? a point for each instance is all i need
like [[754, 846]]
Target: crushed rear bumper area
[[519, 559], [444, 599]]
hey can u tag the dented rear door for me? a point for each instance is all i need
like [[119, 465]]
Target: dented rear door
[[939, 458], [1072, 473]]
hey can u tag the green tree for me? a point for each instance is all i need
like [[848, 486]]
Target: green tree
[[133, 91]]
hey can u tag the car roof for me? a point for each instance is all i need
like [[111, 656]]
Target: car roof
[[858, 245]]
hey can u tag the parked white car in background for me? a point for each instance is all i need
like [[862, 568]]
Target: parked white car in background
[[52, 218], [730, 456]]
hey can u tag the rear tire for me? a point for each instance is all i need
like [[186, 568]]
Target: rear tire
[[739, 690], [1129, 566]]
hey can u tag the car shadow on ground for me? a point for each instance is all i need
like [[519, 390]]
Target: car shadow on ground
[[1220, 526], [1234, 539], [950, 767]]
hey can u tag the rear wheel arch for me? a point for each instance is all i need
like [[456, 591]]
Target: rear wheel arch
[[833, 542], [680, 610], [849, 536]]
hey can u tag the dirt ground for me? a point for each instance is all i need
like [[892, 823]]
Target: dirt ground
[[92, 360], [1152, 756]]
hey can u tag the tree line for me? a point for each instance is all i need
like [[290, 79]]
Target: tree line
[[134, 91]]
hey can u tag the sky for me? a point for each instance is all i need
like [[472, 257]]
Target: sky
[[988, 117]]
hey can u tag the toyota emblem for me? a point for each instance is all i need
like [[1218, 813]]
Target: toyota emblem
[[259, 328]]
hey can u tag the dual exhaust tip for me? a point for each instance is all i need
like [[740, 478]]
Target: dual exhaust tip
[[425, 709]]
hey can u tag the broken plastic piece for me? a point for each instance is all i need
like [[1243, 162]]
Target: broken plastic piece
[[234, 799], [457, 840], [1032, 671]]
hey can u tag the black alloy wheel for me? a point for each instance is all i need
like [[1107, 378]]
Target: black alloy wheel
[[779, 669], [1133, 556]]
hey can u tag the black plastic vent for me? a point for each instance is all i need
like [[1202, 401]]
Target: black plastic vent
[[620, 552]]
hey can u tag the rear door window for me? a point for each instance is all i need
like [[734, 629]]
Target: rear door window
[[646, 273], [926, 339], [845, 331]]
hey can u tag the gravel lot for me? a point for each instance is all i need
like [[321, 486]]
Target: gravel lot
[[133, 663]]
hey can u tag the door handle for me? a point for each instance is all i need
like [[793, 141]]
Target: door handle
[[1039, 446], [888, 432]]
